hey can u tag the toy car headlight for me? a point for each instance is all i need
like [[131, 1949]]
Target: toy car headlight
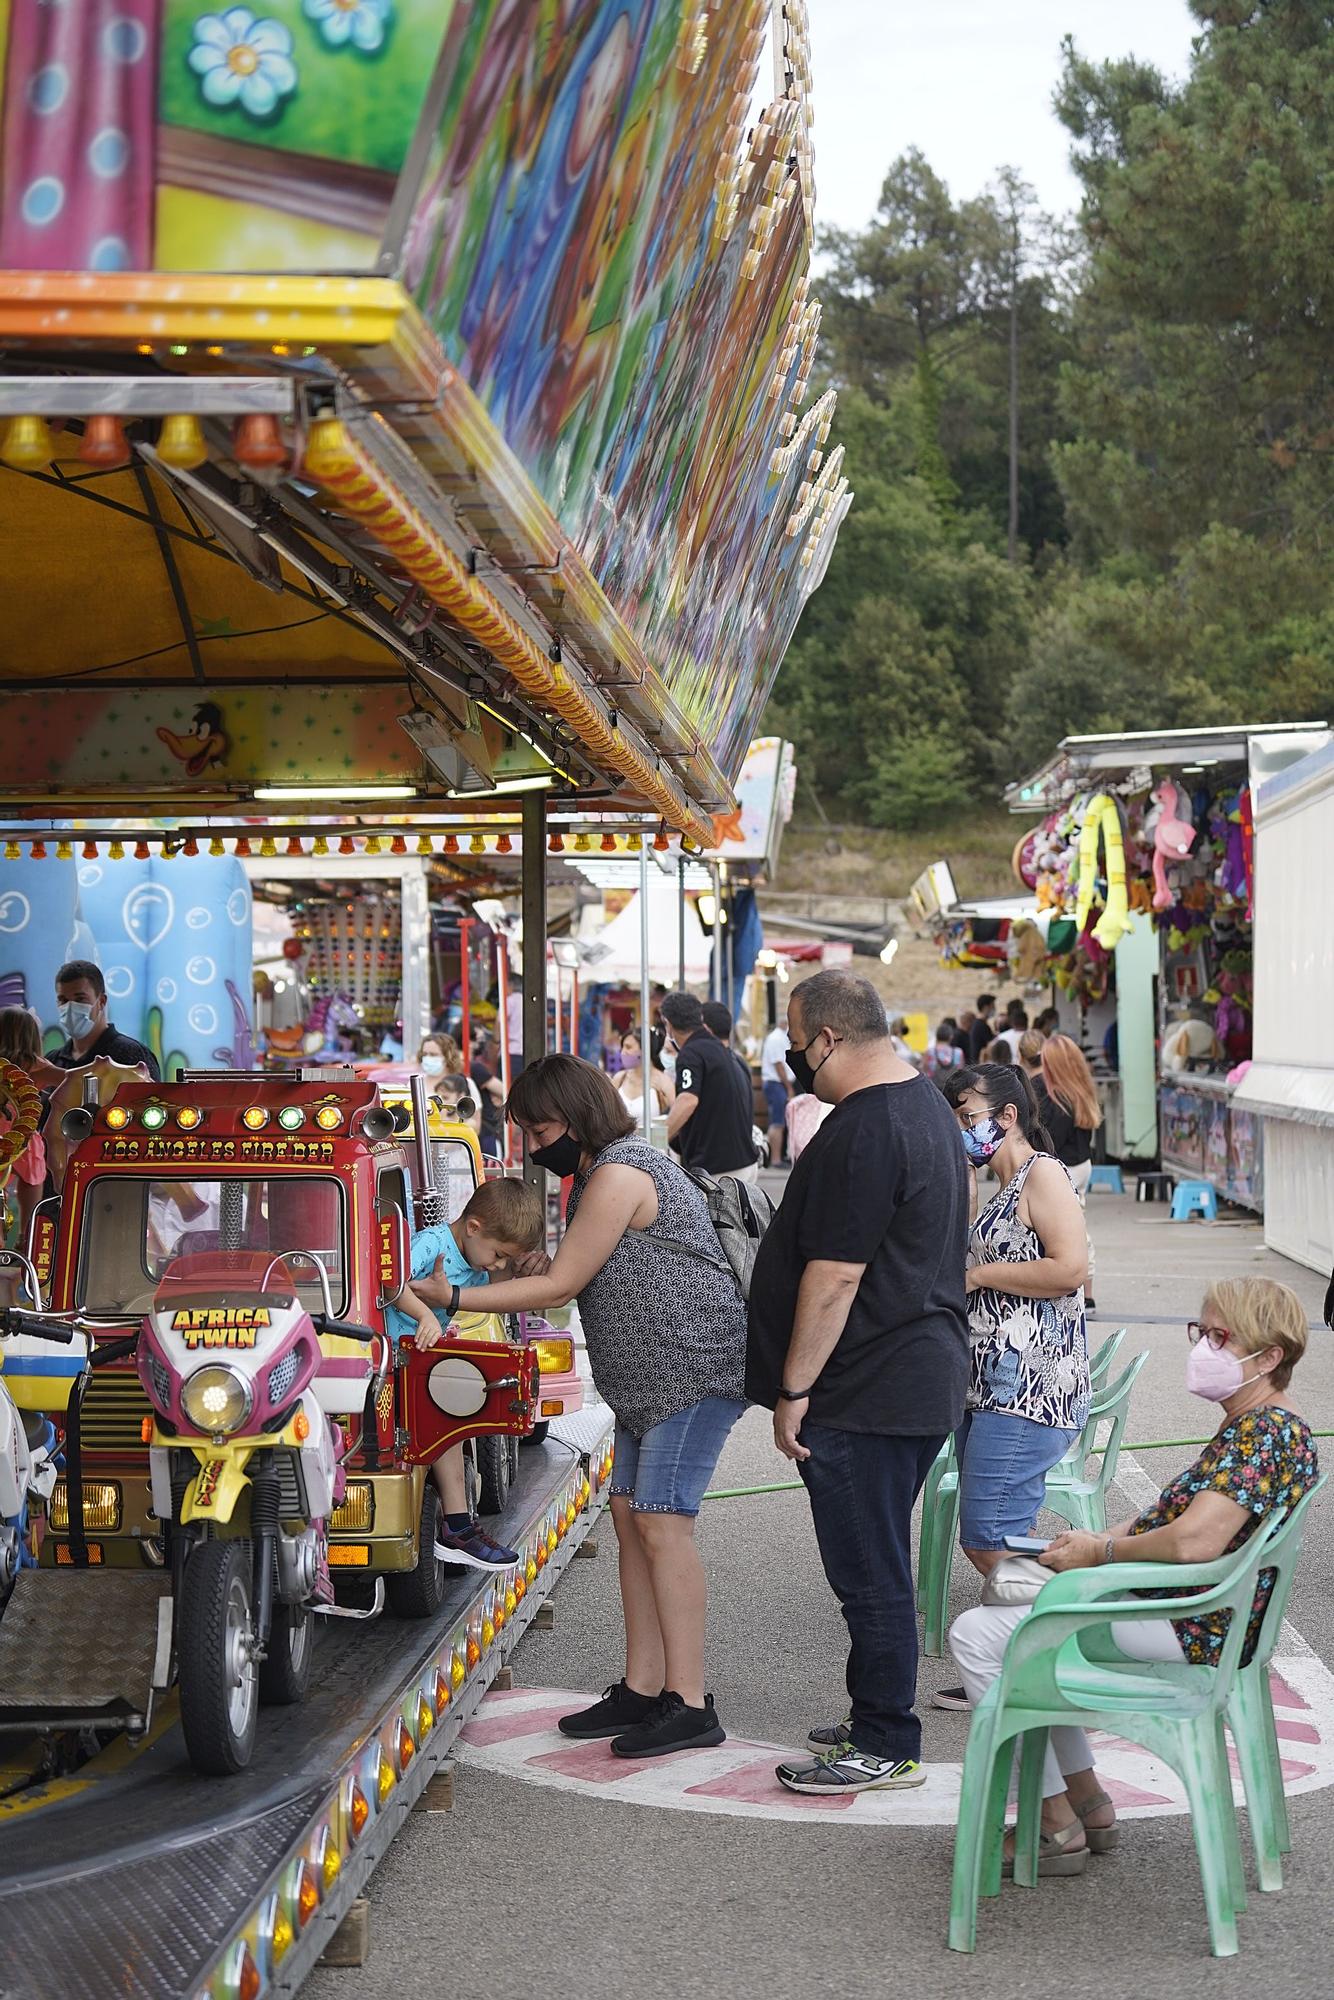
[[216, 1399]]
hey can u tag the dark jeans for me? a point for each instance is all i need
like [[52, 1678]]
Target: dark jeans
[[862, 1487]]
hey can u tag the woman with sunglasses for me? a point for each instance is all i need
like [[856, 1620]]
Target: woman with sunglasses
[[1250, 1335]]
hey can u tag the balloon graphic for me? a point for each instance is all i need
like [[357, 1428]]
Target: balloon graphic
[[238, 906], [199, 918], [90, 875], [147, 914], [203, 1019], [15, 910], [120, 982], [201, 971], [166, 991]]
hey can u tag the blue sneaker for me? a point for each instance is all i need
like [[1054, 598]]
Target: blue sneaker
[[474, 1549]]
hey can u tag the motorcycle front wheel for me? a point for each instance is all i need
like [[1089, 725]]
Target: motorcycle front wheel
[[219, 1679]]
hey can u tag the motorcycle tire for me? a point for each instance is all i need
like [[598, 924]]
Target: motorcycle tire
[[219, 1684], [493, 1466], [420, 1591], [537, 1435], [285, 1675]]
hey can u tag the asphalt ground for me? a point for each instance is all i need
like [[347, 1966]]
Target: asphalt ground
[[524, 1890]]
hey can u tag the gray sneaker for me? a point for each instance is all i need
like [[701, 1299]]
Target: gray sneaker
[[827, 1736], [851, 1770]]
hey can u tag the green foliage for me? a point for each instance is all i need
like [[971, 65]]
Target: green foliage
[[1173, 393]]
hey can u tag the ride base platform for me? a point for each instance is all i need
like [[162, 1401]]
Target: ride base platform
[[135, 1876]]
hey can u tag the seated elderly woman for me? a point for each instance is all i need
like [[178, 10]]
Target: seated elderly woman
[[1250, 1335]]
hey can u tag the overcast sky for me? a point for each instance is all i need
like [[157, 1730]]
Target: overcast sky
[[968, 81]]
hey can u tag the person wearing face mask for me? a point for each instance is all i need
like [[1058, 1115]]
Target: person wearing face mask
[[710, 1124], [81, 1007], [1028, 1387], [1249, 1337], [858, 1344], [438, 1058], [665, 1325]]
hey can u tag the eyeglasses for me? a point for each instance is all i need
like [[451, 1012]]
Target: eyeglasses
[[1217, 1336]]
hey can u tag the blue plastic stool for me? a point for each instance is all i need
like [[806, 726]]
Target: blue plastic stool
[[1194, 1198], [1108, 1177]]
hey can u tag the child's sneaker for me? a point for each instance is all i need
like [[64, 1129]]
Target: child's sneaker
[[474, 1548]]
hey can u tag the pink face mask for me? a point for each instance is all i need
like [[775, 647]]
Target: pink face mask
[[1216, 1372]]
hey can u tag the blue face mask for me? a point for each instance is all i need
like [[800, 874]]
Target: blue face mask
[[982, 1140]]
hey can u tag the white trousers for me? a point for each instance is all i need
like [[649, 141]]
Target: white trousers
[[978, 1639]]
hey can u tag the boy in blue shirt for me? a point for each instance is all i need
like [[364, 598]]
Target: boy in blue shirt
[[502, 1225]]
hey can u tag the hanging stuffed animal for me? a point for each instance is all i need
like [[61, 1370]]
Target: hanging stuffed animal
[[1102, 817], [1173, 837]]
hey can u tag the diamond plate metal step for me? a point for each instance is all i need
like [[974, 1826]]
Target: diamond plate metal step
[[83, 1647]]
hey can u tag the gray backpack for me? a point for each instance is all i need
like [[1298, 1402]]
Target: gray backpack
[[740, 1214]]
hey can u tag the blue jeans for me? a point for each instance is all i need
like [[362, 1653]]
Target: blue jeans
[[667, 1470], [862, 1487], [1003, 1466]]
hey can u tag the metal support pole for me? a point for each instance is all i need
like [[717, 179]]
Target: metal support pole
[[716, 971], [534, 906], [681, 923], [465, 993], [414, 1000], [645, 1025]]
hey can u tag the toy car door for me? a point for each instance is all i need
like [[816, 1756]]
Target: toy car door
[[466, 1388]]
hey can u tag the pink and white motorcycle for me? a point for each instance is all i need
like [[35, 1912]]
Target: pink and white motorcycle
[[246, 1467]]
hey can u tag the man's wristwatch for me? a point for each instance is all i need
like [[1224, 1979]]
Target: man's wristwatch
[[793, 1395]]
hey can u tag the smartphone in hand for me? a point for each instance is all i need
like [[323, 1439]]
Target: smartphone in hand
[[1025, 1545]]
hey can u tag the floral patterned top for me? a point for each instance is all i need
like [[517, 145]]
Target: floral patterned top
[[1263, 1459], [1029, 1357]]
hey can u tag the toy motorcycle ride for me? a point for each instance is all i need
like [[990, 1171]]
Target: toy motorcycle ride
[[245, 1469], [28, 1450]]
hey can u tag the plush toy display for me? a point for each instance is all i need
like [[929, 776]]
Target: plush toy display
[[1102, 818], [1173, 838]]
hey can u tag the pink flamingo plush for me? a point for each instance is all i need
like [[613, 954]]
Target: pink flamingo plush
[[1173, 838]]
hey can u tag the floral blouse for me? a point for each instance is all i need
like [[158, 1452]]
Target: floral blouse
[[1264, 1459], [1028, 1357]]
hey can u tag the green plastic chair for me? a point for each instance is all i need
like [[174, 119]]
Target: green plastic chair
[[1250, 1711], [1079, 1500], [1100, 1364], [1047, 1680], [940, 1497]]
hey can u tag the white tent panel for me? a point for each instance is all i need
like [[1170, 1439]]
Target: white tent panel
[[620, 957]]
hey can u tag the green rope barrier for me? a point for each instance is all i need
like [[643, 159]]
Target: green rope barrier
[[795, 1485]]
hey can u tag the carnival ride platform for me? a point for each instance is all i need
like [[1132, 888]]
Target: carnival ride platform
[[136, 1876]]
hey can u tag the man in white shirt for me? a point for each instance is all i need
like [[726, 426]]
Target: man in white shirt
[[776, 1078]]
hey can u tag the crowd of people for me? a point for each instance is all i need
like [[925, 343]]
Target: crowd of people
[[896, 1300], [925, 1277]]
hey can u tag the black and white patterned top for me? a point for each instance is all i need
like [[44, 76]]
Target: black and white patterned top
[[663, 1329], [1029, 1356]]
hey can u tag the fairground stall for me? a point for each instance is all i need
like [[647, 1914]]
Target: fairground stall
[[402, 410], [1289, 1085], [1145, 845]]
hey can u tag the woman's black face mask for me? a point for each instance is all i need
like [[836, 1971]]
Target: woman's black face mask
[[561, 1157]]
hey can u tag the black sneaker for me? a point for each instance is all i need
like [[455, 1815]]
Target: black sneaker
[[950, 1698], [474, 1549], [670, 1725], [619, 1709]]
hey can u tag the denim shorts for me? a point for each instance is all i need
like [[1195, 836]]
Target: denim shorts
[[1003, 1467], [776, 1098], [667, 1470]]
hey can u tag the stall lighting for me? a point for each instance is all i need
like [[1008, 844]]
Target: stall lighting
[[609, 843], [477, 845], [443, 1694], [180, 442], [294, 847], [384, 1778], [89, 850], [332, 1865], [474, 1653], [28, 445], [103, 441], [488, 1629], [347, 845], [425, 1718], [520, 1586], [407, 1749], [248, 1980], [556, 844], [511, 1600], [890, 952], [117, 1117], [268, 847], [276, 794], [38, 850], [358, 1810], [243, 849], [254, 1118], [291, 1117], [373, 843], [424, 844], [320, 846], [153, 1117], [189, 1116], [11, 850], [504, 845], [458, 1671], [328, 1118], [505, 786], [191, 847], [451, 843], [141, 850], [116, 851]]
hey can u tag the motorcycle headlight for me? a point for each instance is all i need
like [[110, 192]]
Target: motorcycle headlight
[[216, 1399]]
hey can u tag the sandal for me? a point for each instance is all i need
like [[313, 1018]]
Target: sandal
[[1101, 1839], [1055, 1855]]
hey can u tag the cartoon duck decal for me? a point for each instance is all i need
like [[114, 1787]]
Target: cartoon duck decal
[[204, 743]]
